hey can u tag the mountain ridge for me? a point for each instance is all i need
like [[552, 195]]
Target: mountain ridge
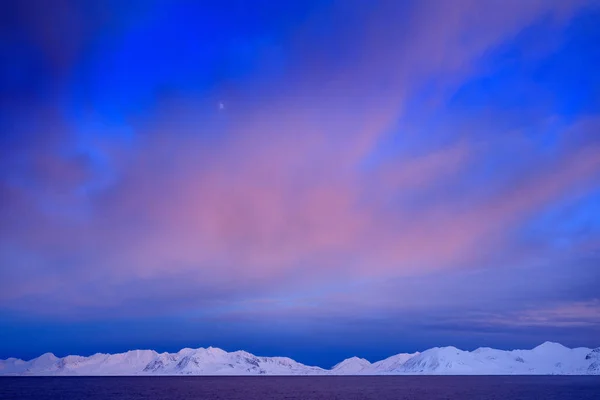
[[549, 358]]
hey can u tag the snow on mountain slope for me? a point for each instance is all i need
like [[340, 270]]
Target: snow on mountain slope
[[390, 365], [594, 357], [548, 358], [351, 366], [213, 361], [12, 366], [129, 363], [210, 361]]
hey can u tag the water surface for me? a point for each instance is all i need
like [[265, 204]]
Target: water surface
[[303, 388]]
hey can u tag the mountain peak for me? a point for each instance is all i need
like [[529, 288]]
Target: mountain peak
[[353, 360], [551, 346], [47, 356], [352, 365], [215, 350]]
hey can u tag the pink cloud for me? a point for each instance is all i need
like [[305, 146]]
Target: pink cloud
[[270, 216]]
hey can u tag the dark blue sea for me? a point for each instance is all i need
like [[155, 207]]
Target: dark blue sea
[[303, 388]]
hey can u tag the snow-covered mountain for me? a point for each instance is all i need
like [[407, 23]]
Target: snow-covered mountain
[[351, 366], [548, 358], [391, 365], [209, 361]]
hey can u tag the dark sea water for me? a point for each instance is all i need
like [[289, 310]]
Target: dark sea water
[[305, 388]]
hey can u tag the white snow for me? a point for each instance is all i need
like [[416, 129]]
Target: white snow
[[391, 365], [351, 366], [548, 358]]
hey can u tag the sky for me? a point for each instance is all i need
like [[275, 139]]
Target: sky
[[316, 179]]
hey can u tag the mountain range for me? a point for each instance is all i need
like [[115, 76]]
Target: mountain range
[[546, 359]]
